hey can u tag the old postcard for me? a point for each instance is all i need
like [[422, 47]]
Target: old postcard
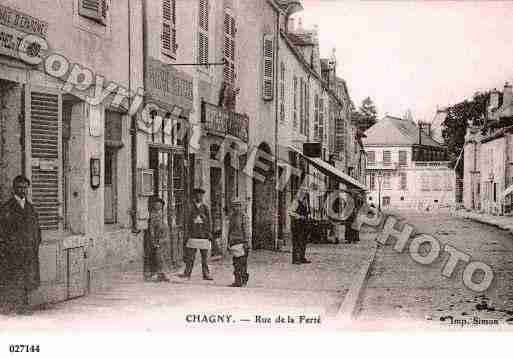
[[248, 165]]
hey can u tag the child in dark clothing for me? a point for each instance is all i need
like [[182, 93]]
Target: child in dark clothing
[[157, 234], [238, 244]]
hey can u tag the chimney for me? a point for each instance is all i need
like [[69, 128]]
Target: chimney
[[291, 25], [508, 95], [494, 99]]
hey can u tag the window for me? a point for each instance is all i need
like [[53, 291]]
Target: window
[[403, 184], [372, 181], [403, 158], [168, 36], [203, 33], [387, 158], [306, 124], [448, 183], [424, 183], [294, 107], [301, 104], [321, 119], [387, 181], [230, 32], [371, 158], [94, 9], [316, 116], [282, 92], [268, 81], [402, 198], [436, 182]]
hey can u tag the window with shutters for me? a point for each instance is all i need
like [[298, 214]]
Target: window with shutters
[[316, 116], [203, 17], [403, 158], [387, 180], [321, 119], [168, 36], [436, 182], [268, 68], [301, 104], [372, 181], [371, 158], [94, 9], [294, 105], [424, 185], [230, 32], [45, 111], [387, 158], [403, 184], [282, 92], [306, 124]]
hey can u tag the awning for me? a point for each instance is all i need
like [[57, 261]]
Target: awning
[[329, 170]]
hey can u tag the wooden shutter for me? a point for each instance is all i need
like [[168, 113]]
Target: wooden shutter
[[316, 116], [203, 32], [44, 114], [229, 48], [168, 36], [295, 103], [268, 80], [94, 9]]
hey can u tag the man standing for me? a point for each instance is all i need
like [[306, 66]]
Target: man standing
[[20, 237], [200, 235], [300, 230]]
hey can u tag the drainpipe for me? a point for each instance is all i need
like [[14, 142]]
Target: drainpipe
[[133, 127], [276, 127]]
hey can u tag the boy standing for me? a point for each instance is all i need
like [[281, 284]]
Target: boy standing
[[238, 244]]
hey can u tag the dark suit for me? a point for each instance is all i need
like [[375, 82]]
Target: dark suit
[[300, 232], [20, 237]]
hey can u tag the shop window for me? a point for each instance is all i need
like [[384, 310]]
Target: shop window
[[113, 143]]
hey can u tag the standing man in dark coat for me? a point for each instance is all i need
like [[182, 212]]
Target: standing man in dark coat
[[200, 235], [300, 229], [20, 237]]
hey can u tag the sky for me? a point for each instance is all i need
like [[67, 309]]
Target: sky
[[415, 55]]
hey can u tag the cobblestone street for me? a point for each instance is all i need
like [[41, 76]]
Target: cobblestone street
[[276, 287], [401, 293]]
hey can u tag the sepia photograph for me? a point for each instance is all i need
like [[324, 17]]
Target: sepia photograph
[[287, 166]]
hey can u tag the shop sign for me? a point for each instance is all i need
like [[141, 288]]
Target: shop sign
[[14, 28], [166, 86]]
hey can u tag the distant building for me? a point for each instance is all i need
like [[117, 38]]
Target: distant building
[[406, 168], [488, 154], [437, 125]]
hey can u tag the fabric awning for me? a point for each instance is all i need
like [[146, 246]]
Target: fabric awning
[[329, 170]]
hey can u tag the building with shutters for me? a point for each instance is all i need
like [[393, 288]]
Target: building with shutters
[[76, 154], [487, 157], [406, 168]]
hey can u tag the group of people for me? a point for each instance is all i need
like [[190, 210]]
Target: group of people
[[20, 238], [200, 238]]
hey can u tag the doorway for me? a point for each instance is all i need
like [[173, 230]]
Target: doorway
[[263, 205], [169, 184]]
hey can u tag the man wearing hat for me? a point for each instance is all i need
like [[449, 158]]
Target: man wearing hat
[[200, 235]]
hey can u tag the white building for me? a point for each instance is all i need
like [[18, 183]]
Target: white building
[[406, 168]]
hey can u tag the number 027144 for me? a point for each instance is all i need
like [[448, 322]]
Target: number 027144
[[24, 348]]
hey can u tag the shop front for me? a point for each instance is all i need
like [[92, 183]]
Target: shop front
[[224, 145], [322, 180], [163, 160]]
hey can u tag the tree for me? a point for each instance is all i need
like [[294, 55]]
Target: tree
[[459, 117], [366, 116]]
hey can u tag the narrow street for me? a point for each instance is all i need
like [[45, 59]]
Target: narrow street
[[276, 288], [401, 293]]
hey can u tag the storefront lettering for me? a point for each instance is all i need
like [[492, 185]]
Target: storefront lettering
[[22, 22]]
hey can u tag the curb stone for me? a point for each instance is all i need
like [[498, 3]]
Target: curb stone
[[349, 308]]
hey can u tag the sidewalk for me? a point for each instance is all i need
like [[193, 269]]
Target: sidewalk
[[276, 287], [502, 222]]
